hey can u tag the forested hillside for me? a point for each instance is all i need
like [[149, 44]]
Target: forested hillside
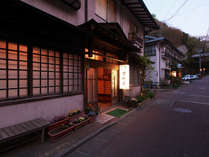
[[178, 37]]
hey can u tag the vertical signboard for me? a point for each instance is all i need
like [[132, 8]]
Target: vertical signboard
[[124, 76]]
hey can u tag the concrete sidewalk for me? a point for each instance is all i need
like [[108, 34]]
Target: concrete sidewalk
[[63, 145], [70, 142]]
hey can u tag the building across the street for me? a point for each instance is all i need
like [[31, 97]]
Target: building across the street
[[57, 56], [166, 58]]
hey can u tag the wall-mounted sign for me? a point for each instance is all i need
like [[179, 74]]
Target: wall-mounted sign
[[124, 76]]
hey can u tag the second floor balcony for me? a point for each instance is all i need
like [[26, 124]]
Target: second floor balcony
[[136, 40]]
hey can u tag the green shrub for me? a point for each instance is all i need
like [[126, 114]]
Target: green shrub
[[88, 109], [150, 94], [176, 82], [140, 98], [132, 103], [146, 94]]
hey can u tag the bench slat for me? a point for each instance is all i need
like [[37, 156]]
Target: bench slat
[[35, 123], [19, 129], [3, 134], [22, 129], [41, 122], [8, 132], [13, 130], [29, 126]]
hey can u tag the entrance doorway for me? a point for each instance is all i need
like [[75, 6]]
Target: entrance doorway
[[102, 87], [91, 86]]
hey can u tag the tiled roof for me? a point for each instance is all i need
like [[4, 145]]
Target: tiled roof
[[140, 11]]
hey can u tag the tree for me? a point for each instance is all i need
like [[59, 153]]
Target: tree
[[140, 65]]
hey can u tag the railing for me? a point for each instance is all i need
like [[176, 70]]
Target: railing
[[135, 39]]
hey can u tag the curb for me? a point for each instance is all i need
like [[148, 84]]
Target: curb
[[92, 135]]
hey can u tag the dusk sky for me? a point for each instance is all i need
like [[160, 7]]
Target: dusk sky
[[193, 17]]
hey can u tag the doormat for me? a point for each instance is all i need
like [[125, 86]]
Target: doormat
[[117, 112]]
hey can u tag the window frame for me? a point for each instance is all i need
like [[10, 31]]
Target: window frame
[[13, 55], [29, 78], [150, 51]]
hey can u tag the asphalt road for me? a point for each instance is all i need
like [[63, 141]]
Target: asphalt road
[[176, 124]]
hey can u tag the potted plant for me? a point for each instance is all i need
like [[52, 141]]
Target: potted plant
[[73, 113], [59, 120], [81, 121], [60, 130], [92, 116]]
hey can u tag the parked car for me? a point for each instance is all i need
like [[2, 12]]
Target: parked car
[[190, 77], [194, 77], [186, 77]]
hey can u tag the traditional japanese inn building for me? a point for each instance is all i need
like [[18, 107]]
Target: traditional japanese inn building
[[57, 56]]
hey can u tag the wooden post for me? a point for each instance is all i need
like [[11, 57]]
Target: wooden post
[[42, 135]]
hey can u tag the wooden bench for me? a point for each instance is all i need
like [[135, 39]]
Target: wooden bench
[[22, 129]]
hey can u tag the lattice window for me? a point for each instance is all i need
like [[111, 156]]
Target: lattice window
[[13, 70], [71, 73], [46, 72]]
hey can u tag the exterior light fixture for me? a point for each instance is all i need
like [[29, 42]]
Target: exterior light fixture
[[124, 76], [173, 73], [75, 4]]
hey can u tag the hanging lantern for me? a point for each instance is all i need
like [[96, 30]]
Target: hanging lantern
[[124, 76]]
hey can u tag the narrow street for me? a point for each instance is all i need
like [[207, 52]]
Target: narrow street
[[175, 124]]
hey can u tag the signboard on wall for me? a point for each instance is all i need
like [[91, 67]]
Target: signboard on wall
[[124, 76]]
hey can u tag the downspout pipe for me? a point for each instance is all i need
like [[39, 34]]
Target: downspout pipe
[[86, 11]]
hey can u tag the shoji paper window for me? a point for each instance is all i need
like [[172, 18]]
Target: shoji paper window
[[13, 70], [46, 72], [71, 73]]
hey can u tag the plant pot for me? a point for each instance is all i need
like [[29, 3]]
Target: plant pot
[[58, 132], [82, 123], [92, 119], [58, 123]]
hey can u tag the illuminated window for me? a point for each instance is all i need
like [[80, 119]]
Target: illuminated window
[[46, 72], [13, 70], [26, 72], [71, 73], [95, 56]]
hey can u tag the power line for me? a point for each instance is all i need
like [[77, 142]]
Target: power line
[[171, 6], [176, 12]]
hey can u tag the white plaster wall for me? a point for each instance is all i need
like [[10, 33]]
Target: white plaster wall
[[60, 10], [132, 92], [77, 17], [121, 13], [46, 109], [162, 64], [128, 18], [158, 60], [153, 74]]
